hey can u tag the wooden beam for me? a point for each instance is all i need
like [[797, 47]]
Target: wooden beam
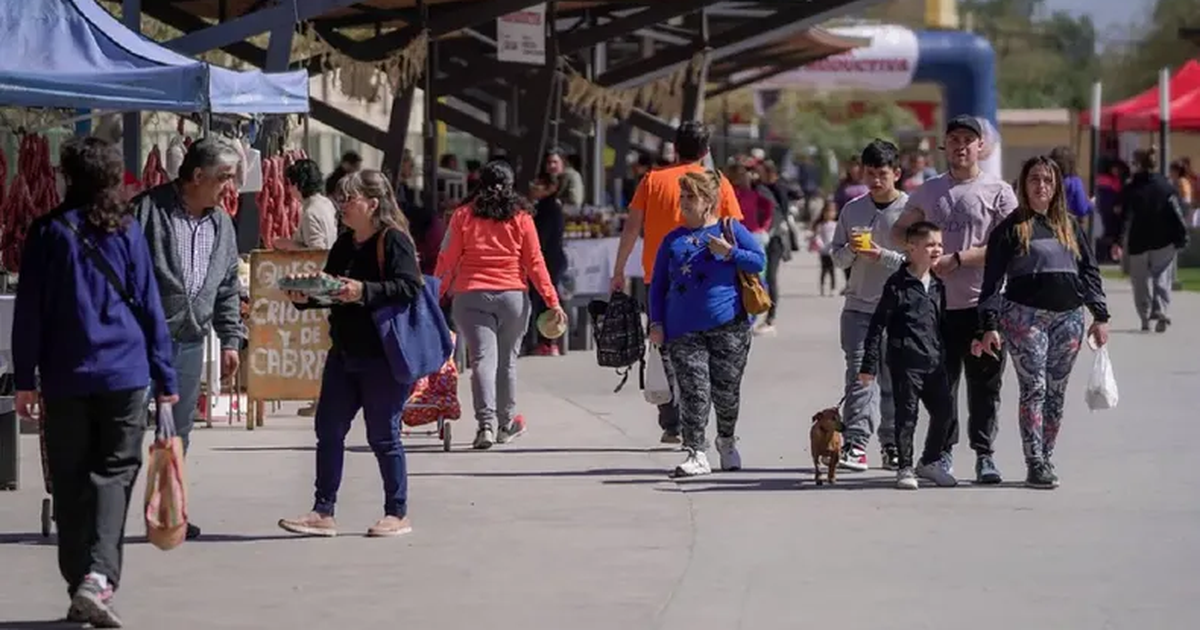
[[651, 15], [650, 123], [352, 126], [763, 74], [789, 20], [251, 24], [466, 123], [397, 133], [440, 24]]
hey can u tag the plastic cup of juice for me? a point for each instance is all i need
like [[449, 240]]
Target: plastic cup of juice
[[862, 239]]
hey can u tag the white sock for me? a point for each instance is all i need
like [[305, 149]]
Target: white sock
[[99, 578]]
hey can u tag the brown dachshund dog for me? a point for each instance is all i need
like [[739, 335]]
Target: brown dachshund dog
[[825, 438]]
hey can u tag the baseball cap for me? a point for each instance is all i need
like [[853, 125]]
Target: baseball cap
[[963, 121]]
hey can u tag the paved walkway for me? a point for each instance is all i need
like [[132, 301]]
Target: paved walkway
[[576, 526]]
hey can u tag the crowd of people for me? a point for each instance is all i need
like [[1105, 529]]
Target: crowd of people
[[947, 277], [924, 310]]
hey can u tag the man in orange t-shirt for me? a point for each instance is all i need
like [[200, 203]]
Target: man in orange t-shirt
[[655, 205], [655, 209]]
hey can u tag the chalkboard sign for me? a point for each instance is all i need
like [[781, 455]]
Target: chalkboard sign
[[287, 346]]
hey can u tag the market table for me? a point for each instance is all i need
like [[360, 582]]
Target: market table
[[590, 262]]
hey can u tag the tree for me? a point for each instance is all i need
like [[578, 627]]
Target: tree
[[832, 125], [1042, 60], [1132, 66]]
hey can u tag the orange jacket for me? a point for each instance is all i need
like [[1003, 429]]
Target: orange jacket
[[489, 255]]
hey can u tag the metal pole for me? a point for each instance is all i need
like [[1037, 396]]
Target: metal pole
[[599, 140], [429, 127], [131, 123], [1097, 107], [1164, 122]]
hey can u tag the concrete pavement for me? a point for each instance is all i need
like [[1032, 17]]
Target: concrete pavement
[[577, 526]]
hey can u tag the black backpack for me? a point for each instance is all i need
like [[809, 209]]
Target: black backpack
[[619, 334]]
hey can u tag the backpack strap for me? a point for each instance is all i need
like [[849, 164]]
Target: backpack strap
[[102, 265], [379, 254]]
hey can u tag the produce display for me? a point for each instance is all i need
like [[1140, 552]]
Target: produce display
[[33, 192], [278, 203], [153, 173], [312, 284], [591, 222]]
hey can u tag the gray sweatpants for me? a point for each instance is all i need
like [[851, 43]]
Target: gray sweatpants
[[1151, 275], [867, 406], [493, 323]]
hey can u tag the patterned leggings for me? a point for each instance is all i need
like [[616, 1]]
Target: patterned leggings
[[1043, 346], [708, 370]]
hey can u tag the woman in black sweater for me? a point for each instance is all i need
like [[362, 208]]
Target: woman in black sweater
[[1051, 274], [357, 375]]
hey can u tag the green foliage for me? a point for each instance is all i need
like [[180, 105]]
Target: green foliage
[[1131, 66], [1043, 60], [829, 124]]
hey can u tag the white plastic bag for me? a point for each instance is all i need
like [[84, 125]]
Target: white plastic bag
[[1102, 385], [658, 388]]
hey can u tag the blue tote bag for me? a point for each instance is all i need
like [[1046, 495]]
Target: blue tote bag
[[416, 339]]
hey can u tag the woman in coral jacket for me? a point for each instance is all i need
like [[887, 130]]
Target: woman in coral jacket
[[492, 256]]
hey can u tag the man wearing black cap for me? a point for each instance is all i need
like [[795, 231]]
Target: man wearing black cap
[[966, 203]]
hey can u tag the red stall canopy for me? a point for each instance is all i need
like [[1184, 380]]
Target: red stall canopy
[[1116, 116], [1184, 111]]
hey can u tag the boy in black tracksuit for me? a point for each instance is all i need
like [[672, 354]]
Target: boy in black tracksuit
[[911, 311]]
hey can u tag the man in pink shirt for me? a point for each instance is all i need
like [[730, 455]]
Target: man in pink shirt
[[966, 204]]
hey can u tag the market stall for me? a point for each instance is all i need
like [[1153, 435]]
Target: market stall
[[73, 54]]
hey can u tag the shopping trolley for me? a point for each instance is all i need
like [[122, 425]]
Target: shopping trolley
[[434, 400]]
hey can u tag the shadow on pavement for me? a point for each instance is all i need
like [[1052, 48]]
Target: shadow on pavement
[[39, 625], [26, 538], [592, 472], [36, 539], [423, 447]]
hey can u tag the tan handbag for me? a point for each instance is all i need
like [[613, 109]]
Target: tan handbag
[[755, 298]]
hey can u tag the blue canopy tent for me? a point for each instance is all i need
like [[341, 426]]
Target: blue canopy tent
[[74, 54]]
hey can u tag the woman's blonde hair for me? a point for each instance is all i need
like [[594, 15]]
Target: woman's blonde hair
[[706, 185], [371, 184], [1061, 222]]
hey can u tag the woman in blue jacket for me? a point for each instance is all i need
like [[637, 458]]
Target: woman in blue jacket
[[696, 313], [89, 332]]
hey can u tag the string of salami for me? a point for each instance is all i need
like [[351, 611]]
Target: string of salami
[[34, 192]]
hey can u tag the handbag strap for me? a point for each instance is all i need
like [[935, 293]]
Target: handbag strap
[[101, 263], [380, 255]]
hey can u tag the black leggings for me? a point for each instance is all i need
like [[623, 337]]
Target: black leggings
[[827, 270]]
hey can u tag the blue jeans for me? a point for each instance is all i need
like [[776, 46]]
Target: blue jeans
[[189, 368], [349, 384]]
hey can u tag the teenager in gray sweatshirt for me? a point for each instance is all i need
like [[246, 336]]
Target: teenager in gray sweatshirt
[[863, 244]]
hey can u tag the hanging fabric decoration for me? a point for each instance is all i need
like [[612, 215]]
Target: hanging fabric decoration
[[664, 95], [370, 81]]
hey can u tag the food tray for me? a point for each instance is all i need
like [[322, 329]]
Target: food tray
[[316, 285]]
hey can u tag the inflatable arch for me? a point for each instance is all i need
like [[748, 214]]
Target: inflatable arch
[[963, 64]]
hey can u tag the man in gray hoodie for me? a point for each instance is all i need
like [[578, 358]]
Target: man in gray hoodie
[[194, 251], [863, 244]]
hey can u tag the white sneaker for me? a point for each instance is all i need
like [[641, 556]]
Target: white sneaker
[[941, 473], [484, 439], [765, 330], [906, 479], [731, 459], [854, 459], [695, 465]]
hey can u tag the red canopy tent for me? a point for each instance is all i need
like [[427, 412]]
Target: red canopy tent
[[1184, 113], [1132, 111]]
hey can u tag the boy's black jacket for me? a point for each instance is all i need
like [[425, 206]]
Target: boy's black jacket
[[912, 317]]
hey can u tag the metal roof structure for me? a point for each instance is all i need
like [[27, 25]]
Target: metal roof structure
[[616, 44]]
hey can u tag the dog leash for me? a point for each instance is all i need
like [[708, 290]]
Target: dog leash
[[837, 406]]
